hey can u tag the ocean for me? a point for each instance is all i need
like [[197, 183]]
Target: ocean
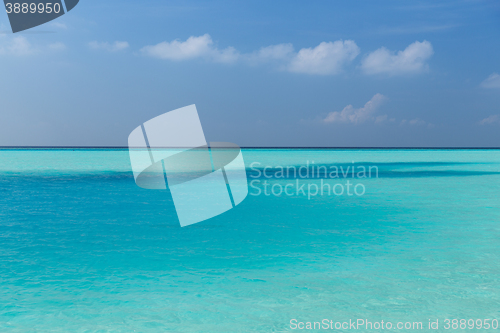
[[84, 249]]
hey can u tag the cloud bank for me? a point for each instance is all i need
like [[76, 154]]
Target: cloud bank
[[367, 113], [193, 47], [355, 116], [409, 61], [324, 59], [327, 58]]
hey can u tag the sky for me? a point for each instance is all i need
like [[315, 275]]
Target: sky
[[261, 73]]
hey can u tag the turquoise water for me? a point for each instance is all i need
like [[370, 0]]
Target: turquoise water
[[82, 248]]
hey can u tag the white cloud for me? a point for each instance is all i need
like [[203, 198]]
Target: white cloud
[[351, 115], [327, 58], [110, 47], [492, 82], [411, 60], [193, 47], [324, 59], [490, 120], [367, 114], [18, 46]]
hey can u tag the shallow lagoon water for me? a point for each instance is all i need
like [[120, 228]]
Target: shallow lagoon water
[[82, 248]]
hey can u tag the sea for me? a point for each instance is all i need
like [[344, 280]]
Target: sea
[[417, 240]]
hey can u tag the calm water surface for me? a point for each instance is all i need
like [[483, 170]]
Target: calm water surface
[[82, 248]]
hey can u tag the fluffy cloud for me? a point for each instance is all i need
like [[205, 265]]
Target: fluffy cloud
[[490, 120], [411, 60], [492, 82], [18, 46], [351, 115], [110, 47], [324, 59], [193, 47], [327, 58]]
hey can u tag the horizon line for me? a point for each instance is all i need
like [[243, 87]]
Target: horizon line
[[249, 147]]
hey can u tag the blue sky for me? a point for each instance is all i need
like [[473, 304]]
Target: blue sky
[[261, 73]]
